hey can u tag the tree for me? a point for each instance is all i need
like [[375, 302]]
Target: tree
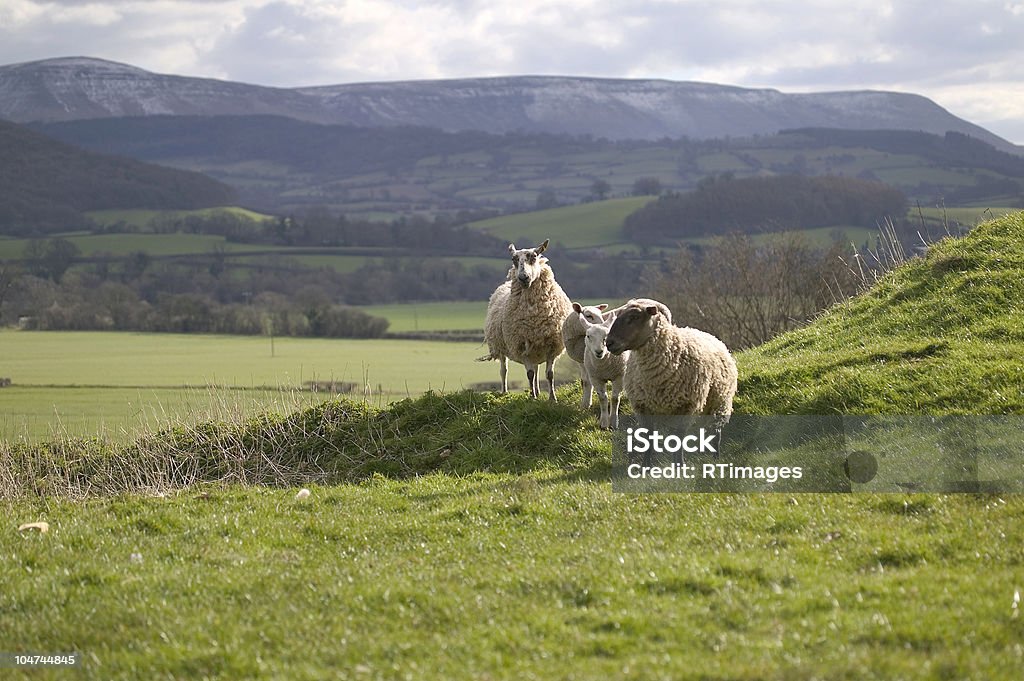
[[746, 291], [600, 190], [546, 199], [647, 186], [50, 259], [9, 274]]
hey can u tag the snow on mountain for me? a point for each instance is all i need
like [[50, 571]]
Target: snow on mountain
[[80, 87]]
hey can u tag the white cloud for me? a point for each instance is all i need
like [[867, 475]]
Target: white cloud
[[966, 54]]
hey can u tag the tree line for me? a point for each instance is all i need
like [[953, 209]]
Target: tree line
[[724, 204]]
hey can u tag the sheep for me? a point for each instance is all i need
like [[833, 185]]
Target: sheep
[[672, 370], [524, 319], [602, 366], [574, 331]]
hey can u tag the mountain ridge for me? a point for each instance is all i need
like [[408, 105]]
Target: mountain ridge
[[76, 88]]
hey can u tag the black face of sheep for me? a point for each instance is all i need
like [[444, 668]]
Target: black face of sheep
[[632, 328], [527, 262]]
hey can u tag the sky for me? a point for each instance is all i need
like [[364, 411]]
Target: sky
[[967, 55]]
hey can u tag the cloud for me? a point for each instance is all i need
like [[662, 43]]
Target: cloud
[[947, 50]]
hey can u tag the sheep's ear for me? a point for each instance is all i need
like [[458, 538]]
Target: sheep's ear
[[576, 307], [543, 247], [512, 249], [652, 310], [602, 307]]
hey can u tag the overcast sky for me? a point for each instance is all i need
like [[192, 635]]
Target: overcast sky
[[967, 55]]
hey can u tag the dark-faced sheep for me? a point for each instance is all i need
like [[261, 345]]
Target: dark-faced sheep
[[672, 370]]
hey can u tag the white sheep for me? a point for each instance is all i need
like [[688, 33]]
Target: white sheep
[[574, 331], [672, 370], [524, 319], [602, 366]]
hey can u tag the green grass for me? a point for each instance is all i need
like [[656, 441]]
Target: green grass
[[469, 536], [87, 383], [581, 226], [126, 244], [432, 316], [511, 577], [142, 219], [943, 334]]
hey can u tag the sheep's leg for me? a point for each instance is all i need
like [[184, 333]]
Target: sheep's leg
[[551, 380], [602, 396], [531, 378], [503, 370], [616, 399], [588, 390]]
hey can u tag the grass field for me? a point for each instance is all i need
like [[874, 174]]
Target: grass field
[[85, 383], [432, 316], [469, 536], [516, 577], [581, 226], [143, 219]]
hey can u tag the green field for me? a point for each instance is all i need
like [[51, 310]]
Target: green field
[[432, 316], [461, 535], [143, 219], [83, 383], [120, 245], [581, 226]]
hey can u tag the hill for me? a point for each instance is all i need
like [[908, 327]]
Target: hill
[[79, 88], [284, 164], [46, 185], [942, 334]]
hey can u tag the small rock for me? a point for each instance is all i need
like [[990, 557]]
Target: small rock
[[302, 494]]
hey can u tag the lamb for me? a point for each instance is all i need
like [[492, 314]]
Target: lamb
[[574, 331], [672, 370], [524, 319], [602, 366]]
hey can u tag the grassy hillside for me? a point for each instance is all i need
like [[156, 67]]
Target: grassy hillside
[[45, 185], [944, 334], [586, 225], [476, 536], [403, 171]]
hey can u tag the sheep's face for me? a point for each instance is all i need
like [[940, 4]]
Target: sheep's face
[[592, 313], [597, 335], [527, 263], [632, 327]]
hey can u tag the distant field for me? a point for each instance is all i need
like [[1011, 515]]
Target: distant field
[[142, 218], [83, 382], [581, 226], [444, 316], [967, 216], [125, 244]]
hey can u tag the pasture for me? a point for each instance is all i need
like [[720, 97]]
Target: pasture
[[144, 219], [465, 535], [581, 226], [432, 316], [91, 383], [538, 576]]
